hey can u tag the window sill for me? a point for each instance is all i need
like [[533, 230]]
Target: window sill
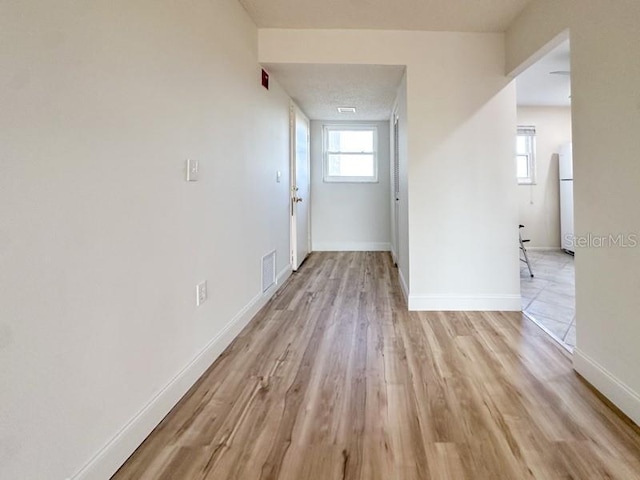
[[349, 180]]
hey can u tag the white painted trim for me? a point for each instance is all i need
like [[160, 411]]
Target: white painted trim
[[352, 247], [544, 249], [364, 126], [403, 285], [620, 394], [481, 303], [117, 450]]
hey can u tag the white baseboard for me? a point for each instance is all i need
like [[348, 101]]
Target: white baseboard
[[544, 249], [394, 257], [117, 450], [403, 285], [606, 383], [479, 303], [351, 247]]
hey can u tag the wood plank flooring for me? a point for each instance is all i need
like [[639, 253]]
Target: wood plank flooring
[[334, 379]]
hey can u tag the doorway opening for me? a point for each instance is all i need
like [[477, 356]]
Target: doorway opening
[[345, 155], [395, 135], [545, 193]]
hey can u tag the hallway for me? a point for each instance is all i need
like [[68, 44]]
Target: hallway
[[334, 379]]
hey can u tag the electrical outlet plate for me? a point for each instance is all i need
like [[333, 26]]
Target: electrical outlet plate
[[192, 170], [201, 293]]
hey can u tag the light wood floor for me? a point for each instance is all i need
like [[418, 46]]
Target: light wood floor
[[334, 379]]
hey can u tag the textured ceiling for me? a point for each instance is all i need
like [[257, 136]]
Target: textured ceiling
[[320, 89], [437, 15], [537, 87]]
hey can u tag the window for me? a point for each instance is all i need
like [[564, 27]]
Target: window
[[526, 155], [350, 153]]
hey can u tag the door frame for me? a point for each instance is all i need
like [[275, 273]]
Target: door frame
[[295, 111], [395, 195]]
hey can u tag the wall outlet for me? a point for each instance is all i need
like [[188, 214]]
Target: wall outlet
[[192, 170], [201, 293]]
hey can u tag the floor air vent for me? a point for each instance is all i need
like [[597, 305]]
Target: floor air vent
[[268, 271]]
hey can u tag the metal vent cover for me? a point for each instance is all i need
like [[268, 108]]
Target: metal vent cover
[[268, 271]]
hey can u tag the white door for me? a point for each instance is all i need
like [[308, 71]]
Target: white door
[[300, 191], [396, 187]]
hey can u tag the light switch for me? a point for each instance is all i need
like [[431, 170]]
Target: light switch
[[278, 176], [192, 170]]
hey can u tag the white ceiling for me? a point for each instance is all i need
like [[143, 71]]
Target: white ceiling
[[437, 15], [537, 87], [320, 89]]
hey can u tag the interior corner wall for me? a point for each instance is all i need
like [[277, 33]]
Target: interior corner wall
[[462, 187], [605, 74], [539, 204], [461, 117], [102, 241], [350, 216]]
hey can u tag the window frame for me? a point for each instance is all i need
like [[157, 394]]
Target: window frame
[[529, 132], [326, 129]]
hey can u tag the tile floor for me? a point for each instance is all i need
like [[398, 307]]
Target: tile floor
[[549, 297]]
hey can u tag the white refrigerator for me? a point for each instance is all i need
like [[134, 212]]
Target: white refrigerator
[[566, 198]]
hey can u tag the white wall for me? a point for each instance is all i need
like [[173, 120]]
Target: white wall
[[605, 74], [462, 193], [540, 203], [101, 240], [350, 216]]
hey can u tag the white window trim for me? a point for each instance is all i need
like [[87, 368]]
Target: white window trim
[[529, 131], [325, 152]]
